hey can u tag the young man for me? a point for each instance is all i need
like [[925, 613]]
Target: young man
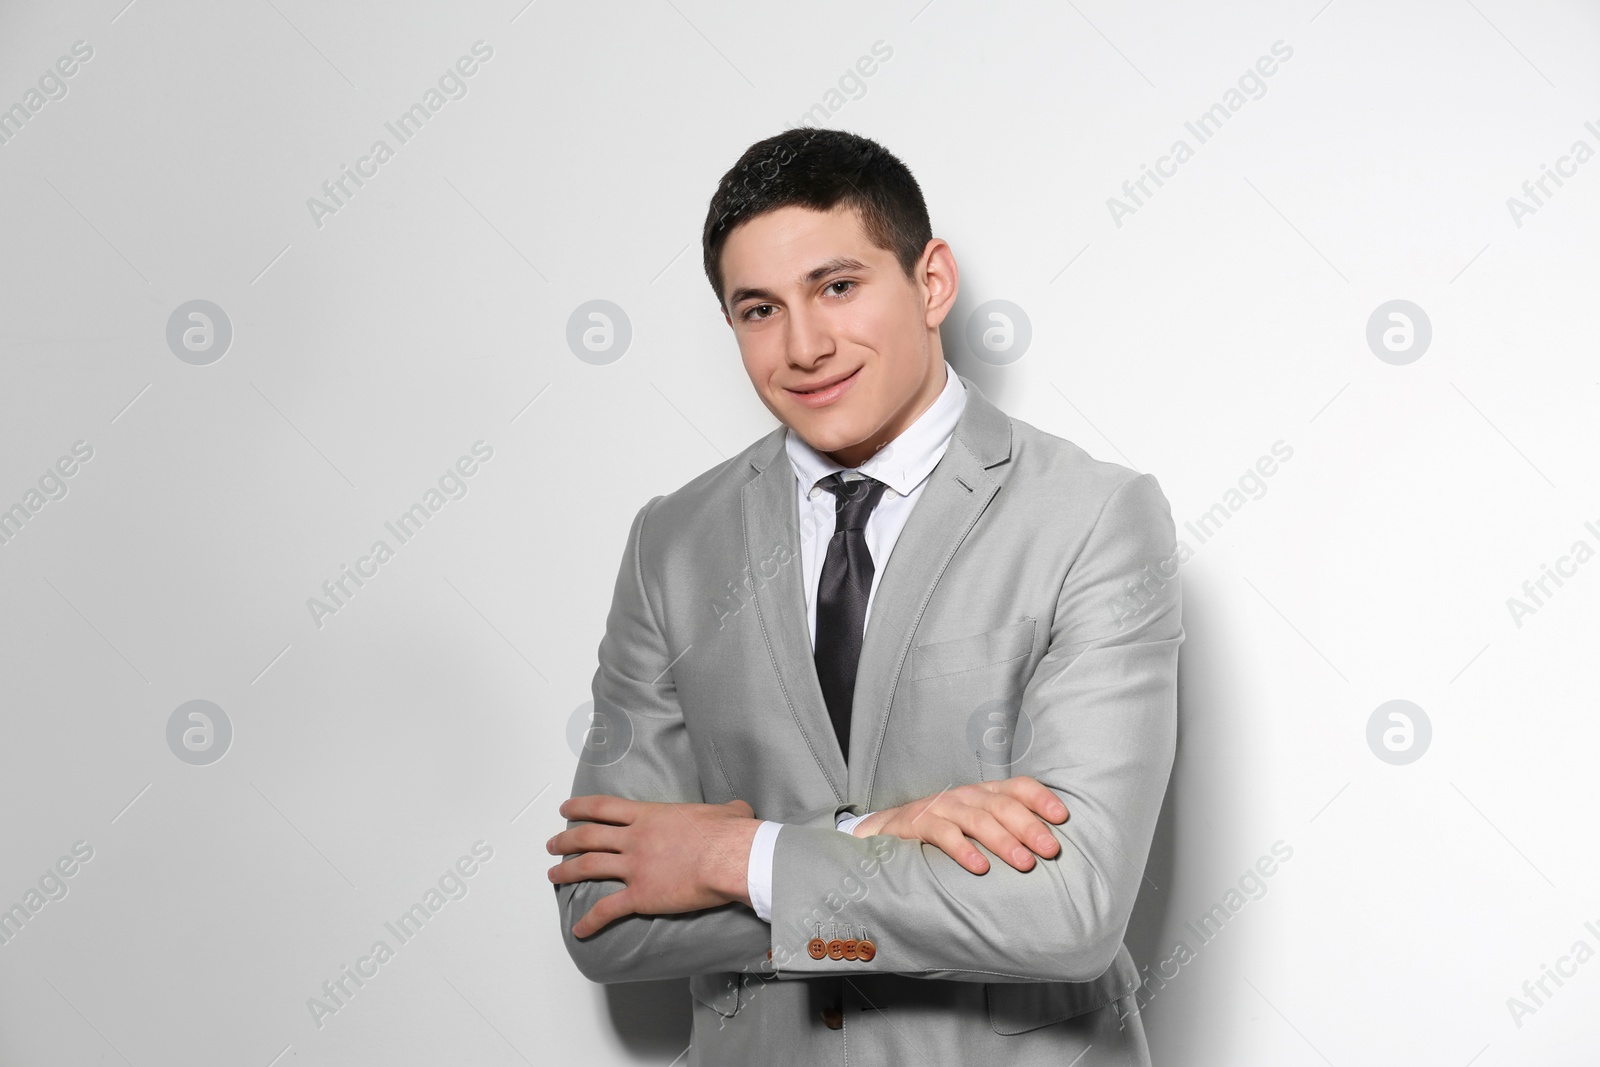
[[898, 638]]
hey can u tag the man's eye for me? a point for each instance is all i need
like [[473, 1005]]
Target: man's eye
[[751, 311], [841, 281]]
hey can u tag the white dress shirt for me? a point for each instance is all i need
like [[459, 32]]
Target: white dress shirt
[[903, 465]]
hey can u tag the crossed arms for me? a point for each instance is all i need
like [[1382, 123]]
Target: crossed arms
[[1102, 704]]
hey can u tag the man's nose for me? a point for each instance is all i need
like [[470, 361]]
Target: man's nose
[[809, 340]]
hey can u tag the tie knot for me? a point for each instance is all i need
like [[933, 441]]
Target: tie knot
[[853, 499]]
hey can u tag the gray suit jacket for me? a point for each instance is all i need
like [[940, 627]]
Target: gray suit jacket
[[1027, 622]]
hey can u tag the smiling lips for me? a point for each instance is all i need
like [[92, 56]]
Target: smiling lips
[[826, 393]]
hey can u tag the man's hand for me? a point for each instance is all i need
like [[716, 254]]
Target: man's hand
[[672, 857], [1003, 816]]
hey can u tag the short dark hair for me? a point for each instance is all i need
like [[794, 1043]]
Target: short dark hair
[[819, 169]]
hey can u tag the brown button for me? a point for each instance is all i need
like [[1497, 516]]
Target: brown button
[[816, 948], [836, 949], [865, 949], [833, 1017], [850, 944]]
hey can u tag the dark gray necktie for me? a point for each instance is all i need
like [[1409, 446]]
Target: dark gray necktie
[[842, 595]]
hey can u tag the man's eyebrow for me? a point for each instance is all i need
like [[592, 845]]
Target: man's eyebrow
[[814, 275]]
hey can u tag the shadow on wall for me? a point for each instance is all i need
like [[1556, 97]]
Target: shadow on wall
[[1196, 839]]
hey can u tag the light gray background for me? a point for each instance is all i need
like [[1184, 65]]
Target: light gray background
[[1227, 313]]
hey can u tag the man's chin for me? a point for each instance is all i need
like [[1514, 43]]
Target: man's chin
[[829, 443], [824, 435]]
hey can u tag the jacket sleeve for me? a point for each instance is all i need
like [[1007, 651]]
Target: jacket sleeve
[[1103, 707], [638, 748]]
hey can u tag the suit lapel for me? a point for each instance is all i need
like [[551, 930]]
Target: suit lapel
[[955, 495], [771, 518], [957, 491]]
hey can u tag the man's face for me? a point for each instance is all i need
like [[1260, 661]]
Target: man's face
[[813, 302]]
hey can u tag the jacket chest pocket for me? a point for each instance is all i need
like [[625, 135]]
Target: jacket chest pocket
[[978, 652], [970, 688]]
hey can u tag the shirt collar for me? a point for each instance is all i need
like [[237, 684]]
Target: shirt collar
[[903, 463]]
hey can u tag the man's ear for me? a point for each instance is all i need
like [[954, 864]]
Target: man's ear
[[942, 279]]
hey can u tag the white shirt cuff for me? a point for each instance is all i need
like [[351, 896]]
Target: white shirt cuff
[[847, 823], [759, 879]]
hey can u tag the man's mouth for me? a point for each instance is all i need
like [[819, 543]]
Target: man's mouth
[[828, 384]]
